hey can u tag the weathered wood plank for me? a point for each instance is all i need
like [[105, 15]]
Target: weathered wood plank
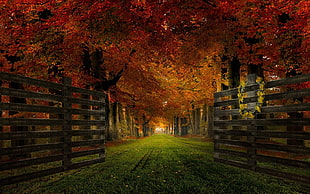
[[88, 122], [268, 109], [29, 81], [86, 142], [46, 122], [232, 142], [85, 102], [235, 102], [31, 108], [286, 175], [86, 153], [286, 108], [288, 81], [30, 148], [232, 132], [284, 161], [86, 112], [87, 91], [288, 95], [234, 91], [284, 134], [87, 132], [283, 148], [28, 94], [270, 84], [46, 134], [32, 122], [30, 134], [33, 175], [233, 122], [264, 122], [231, 153], [30, 162]]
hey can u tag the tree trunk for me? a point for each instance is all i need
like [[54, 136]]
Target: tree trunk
[[197, 120], [176, 125], [184, 126]]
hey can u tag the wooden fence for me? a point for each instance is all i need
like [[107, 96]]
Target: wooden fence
[[276, 141], [47, 127]]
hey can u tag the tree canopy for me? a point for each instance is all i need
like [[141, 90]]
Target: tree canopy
[[160, 57]]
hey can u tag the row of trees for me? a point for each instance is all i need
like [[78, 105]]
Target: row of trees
[[155, 59]]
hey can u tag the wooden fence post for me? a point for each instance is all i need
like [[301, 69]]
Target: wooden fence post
[[216, 137], [252, 128], [66, 105], [102, 118]]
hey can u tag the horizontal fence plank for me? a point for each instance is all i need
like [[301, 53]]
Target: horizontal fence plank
[[233, 122], [268, 97], [263, 122], [45, 109], [288, 95], [283, 148], [46, 122], [86, 142], [267, 134], [286, 108], [86, 153], [284, 161], [33, 175], [219, 113], [28, 94], [234, 91], [85, 102], [283, 122], [87, 91], [288, 81], [284, 134], [235, 102], [31, 108], [32, 122], [88, 122], [286, 175], [47, 134], [87, 132], [231, 152], [270, 84], [232, 142], [29, 81], [232, 132], [30, 148], [87, 112], [30, 162], [30, 134], [267, 109], [223, 93]]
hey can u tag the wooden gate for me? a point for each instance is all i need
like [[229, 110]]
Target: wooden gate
[[47, 127], [277, 140]]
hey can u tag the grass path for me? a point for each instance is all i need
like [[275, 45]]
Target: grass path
[[158, 164]]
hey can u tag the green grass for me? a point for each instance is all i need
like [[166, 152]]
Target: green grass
[[158, 164]]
